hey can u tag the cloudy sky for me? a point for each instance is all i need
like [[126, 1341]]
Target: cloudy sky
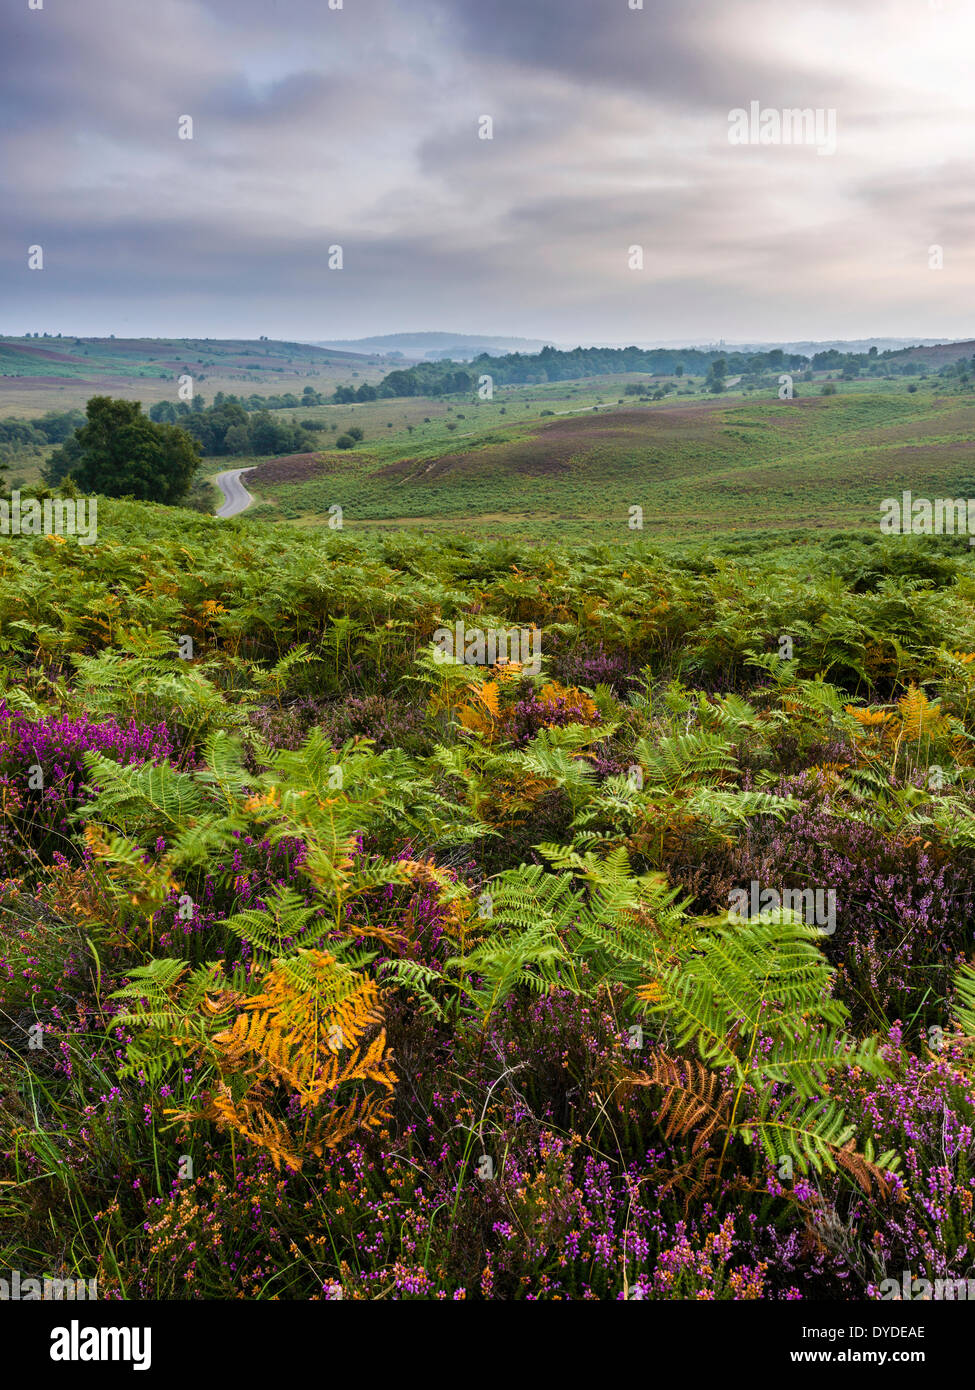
[[359, 127]]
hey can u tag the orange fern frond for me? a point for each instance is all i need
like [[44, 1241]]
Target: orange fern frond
[[304, 1034], [694, 1100], [919, 716], [869, 718]]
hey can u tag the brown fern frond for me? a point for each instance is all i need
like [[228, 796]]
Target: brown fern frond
[[861, 1169], [509, 799], [869, 718], [694, 1100], [830, 775], [483, 710]]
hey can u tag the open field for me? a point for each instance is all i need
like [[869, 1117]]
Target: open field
[[38, 374], [699, 465], [570, 459]]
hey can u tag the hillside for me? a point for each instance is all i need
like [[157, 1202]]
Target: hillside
[[417, 346], [40, 373], [701, 466], [939, 354]]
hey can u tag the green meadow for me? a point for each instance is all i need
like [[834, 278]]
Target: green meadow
[[571, 463]]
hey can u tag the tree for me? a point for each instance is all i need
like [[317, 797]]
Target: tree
[[210, 427], [57, 426], [265, 434], [62, 462], [237, 440], [399, 383], [121, 452]]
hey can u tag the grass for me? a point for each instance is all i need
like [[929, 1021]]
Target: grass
[[38, 374], [696, 465], [560, 460]]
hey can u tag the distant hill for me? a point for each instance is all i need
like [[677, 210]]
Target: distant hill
[[460, 347], [63, 371], [940, 354], [419, 347], [50, 356], [804, 347], [809, 347]]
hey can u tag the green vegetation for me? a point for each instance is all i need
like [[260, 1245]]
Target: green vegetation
[[36, 369], [551, 365], [331, 963], [729, 465], [640, 952], [120, 452], [168, 412]]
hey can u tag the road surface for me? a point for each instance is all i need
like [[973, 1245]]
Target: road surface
[[236, 498]]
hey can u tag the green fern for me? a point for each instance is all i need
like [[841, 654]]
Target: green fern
[[754, 1000]]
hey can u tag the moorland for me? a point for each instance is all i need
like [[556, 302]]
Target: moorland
[[333, 968]]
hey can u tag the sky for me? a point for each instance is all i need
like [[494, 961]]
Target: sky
[[362, 127]]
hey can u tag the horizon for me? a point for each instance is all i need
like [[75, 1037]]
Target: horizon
[[858, 343]]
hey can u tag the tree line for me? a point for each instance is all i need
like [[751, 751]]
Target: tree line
[[554, 364], [172, 412], [53, 427]]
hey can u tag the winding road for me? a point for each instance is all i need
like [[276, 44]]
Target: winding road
[[236, 498]]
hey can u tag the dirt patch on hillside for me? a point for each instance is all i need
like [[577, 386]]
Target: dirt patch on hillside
[[527, 456], [45, 354], [554, 444], [948, 451], [290, 468]]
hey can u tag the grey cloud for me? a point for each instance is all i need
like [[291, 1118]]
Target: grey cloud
[[359, 126]]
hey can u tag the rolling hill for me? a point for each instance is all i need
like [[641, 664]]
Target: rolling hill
[[698, 467], [38, 373]]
